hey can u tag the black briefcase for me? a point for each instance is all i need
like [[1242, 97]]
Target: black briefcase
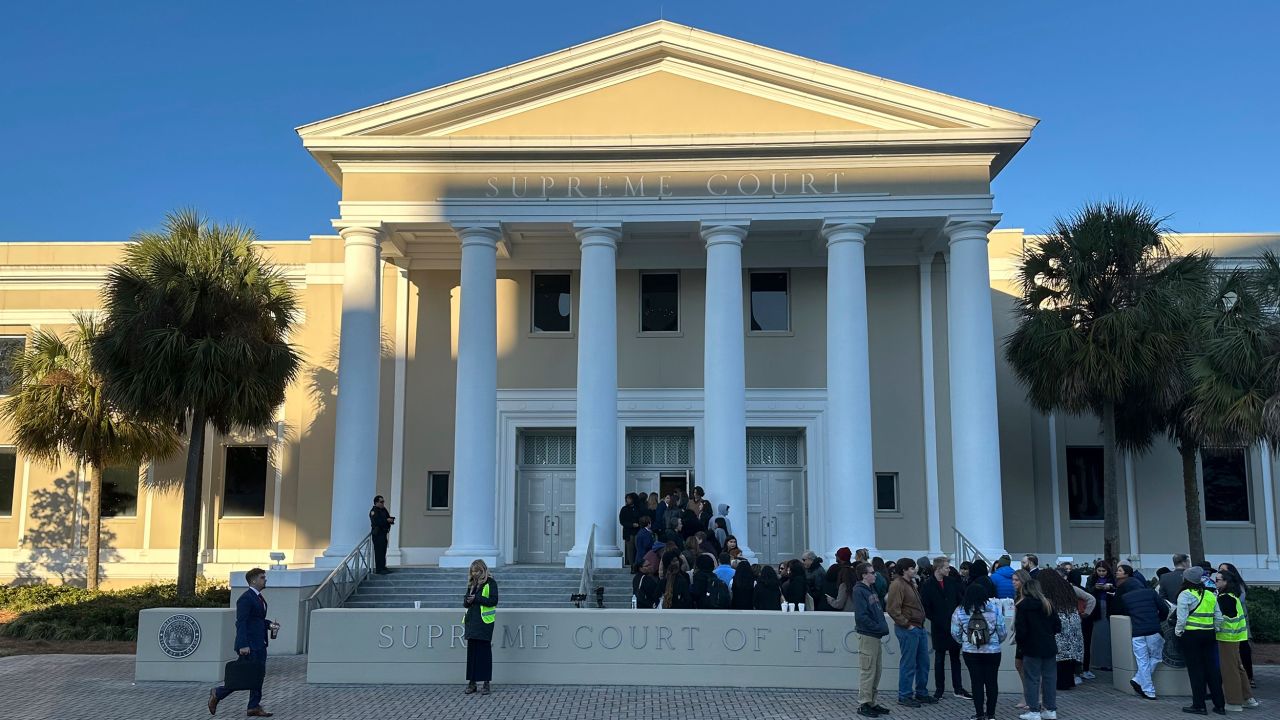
[[244, 673]]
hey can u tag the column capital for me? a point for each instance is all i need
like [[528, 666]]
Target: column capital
[[853, 229], [488, 235], [606, 234], [969, 227], [722, 232], [361, 235]]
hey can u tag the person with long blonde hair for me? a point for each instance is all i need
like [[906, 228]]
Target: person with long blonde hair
[[481, 602]]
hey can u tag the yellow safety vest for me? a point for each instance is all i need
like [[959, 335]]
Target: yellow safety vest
[[1201, 617], [488, 613], [1234, 629]]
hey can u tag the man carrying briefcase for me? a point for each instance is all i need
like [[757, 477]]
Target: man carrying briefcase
[[253, 630]]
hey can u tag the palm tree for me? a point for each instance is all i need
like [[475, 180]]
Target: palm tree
[[1104, 309], [58, 410], [196, 336]]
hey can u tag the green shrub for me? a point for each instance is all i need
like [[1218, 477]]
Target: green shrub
[[1263, 605], [50, 612]]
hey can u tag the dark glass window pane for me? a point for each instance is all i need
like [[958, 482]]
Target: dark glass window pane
[[120, 491], [886, 491], [245, 486], [8, 471], [439, 491], [769, 302], [1084, 482], [9, 348], [659, 302], [1226, 484], [551, 303]]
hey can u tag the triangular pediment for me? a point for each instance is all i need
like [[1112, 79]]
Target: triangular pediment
[[664, 79]]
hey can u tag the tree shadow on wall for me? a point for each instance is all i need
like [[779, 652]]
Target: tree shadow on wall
[[54, 553]]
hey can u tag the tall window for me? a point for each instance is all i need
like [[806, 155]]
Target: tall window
[[1226, 484], [438, 491], [1084, 483], [244, 489], [887, 492], [8, 473], [770, 307], [120, 491], [10, 346], [659, 302], [552, 302]]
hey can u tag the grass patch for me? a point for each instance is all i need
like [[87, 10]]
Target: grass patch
[[64, 613]]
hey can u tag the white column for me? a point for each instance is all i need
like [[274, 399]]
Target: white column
[[596, 483], [1055, 483], [1269, 504], [396, 499], [355, 455], [724, 377], [475, 424], [850, 488], [1131, 503], [932, 493], [975, 430]]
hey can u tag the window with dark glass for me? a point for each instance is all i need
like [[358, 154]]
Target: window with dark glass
[[438, 491], [10, 347], [887, 492], [8, 473], [244, 490], [1226, 484], [120, 491], [551, 302], [659, 302], [770, 311], [1084, 483]]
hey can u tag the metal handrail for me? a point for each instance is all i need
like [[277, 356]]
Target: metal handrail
[[966, 551], [588, 565], [340, 583]]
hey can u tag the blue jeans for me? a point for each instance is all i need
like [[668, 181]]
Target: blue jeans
[[1039, 680], [255, 695], [914, 664]]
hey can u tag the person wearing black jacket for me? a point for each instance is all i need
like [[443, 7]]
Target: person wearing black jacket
[[868, 620], [940, 594], [768, 593], [980, 575], [380, 522], [743, 589], [677, 594], [1035, 627], [645, 587], [1145, 610], [629, 519], [700, 588]]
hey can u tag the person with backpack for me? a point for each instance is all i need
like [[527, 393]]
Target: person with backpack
[[978, 626], [709, 591], [869, 622]]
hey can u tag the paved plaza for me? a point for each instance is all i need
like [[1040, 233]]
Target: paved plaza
[[83, 687]]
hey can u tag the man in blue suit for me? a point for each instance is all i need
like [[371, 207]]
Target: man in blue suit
[[252, 629]]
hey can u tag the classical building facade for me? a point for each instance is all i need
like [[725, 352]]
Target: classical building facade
[[658, 259]]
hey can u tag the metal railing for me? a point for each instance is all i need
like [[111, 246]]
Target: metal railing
[[339, 584], [585, 585], [966, 551]]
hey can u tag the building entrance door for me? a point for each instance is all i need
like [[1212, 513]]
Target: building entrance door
[[775, 496], [545, 498]]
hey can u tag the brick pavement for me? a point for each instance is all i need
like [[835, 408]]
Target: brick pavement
[[84, 687]]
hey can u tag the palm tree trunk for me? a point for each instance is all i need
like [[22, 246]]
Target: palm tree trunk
[[189, 535], [1110, 488], [94, 549], [1191, 494]]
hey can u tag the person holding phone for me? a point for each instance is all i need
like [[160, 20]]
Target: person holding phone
[[481, 602], [380, 522]]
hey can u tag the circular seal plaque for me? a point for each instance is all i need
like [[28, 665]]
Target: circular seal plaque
[[179, 636]]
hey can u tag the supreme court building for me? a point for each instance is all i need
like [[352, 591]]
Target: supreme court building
[[657, 259]]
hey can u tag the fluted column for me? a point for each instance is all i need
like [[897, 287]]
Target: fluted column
[[724, 377], [971, 347], [596, 483], [850, 483], [475, 423], [355, 456]]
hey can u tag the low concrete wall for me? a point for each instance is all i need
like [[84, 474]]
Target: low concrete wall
[[184, 644], [286, 592], [1169, 681], [603, 647]]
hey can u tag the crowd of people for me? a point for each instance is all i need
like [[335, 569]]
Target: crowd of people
[[684, 556]]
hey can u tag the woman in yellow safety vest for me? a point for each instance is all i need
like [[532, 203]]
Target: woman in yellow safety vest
[[1234, 632], [481, 603], [1198, 618]]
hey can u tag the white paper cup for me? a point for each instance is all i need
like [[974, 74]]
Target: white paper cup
[[417, 604]]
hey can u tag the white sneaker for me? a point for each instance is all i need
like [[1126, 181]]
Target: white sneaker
[[1233, 708], [1088, 675], [1252, 703], [1079, 680], [1048, 715], [1033, 715]]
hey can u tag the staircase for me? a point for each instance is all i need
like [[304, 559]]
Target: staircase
[[518, 586]]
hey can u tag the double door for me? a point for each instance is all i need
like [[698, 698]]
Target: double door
[[544, 522], [775, 513]]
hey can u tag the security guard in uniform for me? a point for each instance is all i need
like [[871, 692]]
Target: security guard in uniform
[[379, 525]]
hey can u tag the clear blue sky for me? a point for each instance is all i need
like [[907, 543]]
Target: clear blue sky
[[114, 113]]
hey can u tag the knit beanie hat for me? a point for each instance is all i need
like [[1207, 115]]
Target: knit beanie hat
[[843, 554], [1193, 574]]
